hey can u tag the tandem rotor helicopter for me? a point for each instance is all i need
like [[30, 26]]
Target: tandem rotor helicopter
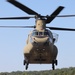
[[40, 47]]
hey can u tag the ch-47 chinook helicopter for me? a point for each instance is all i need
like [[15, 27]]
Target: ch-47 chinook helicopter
[[40, 48]]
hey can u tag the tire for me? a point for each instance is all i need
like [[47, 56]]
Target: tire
[[24, 62], [53, 66], [56, 62]]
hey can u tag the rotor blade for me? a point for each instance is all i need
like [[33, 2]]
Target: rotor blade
[[22, 7], [28, 17], [6, 18], [64, 29], [66, 16], [54, 14], [17, 26]]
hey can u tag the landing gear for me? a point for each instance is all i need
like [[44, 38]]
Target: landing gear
[[26, 63], [54, 62], [53, 66], [26, 66]]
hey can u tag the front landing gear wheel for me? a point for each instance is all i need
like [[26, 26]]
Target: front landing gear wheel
[[26, 63], [27, 66], [53, 66], [54, 62]]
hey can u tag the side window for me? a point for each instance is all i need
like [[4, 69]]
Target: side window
[[55, 37], [50, 36], [27, 39]]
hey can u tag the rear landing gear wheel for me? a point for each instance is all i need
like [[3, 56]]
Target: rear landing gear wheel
[[56, 62], [24, 62]]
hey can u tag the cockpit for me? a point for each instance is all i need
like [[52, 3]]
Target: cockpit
[[42, 35], [36, 33]]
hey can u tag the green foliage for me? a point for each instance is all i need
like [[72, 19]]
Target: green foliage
[[64, 71]]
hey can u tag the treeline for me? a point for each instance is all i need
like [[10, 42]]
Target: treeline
[[64, 71]]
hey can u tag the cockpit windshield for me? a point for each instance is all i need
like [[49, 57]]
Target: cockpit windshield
[[36, 33]]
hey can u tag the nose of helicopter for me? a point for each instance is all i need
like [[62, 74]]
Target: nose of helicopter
[[41, 40]]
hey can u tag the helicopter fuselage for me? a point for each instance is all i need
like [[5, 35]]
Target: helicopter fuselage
[[40, 47]]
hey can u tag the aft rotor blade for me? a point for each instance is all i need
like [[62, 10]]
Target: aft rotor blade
[[64, 29], [66, 16], [23, 7], [54, 14], [17, 26], [26, 17], [6, 18]]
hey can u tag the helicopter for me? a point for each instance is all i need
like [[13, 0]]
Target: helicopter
[[40, 45]]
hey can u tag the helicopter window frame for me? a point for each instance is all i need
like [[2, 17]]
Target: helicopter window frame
[[37, 33]]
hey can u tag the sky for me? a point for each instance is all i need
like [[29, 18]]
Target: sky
[[13, 40]]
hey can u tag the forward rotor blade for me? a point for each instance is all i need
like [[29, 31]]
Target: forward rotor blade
[[17, 26], [64, 29], [23, 7], [54, 14]]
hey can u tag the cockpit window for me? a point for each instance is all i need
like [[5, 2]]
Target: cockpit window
[[46, 33], [40, 33], [36, 33]]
